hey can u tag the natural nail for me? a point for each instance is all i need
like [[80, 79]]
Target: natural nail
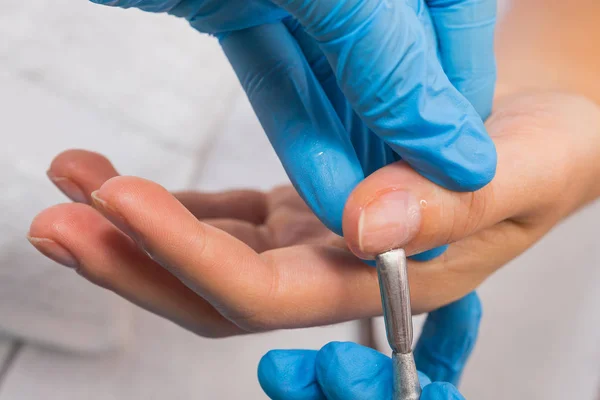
[[112, 215], [388, 222], [54, 251], [68, 187]]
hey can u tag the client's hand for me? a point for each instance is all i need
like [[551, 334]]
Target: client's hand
[[223, 264], [341, 371]]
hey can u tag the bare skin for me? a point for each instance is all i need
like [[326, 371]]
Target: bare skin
[[228, 263]]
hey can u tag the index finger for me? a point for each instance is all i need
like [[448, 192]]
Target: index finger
[[391, 75]]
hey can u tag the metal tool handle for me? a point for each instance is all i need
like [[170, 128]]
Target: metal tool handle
[[406, 380], [395, 298]]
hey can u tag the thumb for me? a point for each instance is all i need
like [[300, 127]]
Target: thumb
[[397, 208]]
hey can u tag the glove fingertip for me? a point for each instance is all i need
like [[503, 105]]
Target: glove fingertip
[[423, 379], [345, 370], [289, 374], [461, 156]]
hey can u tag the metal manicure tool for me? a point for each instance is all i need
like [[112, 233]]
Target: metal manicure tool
[[395, 297]]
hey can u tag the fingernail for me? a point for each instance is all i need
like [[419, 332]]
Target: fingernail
[[68, 187], [112, 215], [54, 251], [388, 222]]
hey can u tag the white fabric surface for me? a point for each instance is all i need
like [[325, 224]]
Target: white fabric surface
[[5, 346], [164, 362], [146, 90]]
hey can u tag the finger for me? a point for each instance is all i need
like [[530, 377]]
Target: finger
[[80, 172], [461, 270], [441, 391], [282, 288], [406, 97], [465, 31], [77, 173], [197, 253], [371, 151], [290, 374], [77, 236], [299, 120], [448, 338], [349, 371], [395, 207]]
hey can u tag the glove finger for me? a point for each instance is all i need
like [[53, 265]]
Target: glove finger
[[350, 371], [371, 151], [448, 338], [290, 375], [465, 30], [441, 391], [393, 80], [297, 117]]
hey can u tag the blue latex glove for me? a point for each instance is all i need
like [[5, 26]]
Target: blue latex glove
[[341, 371], [398, 65]]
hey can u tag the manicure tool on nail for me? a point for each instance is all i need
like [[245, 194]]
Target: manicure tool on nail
[[395, 298]]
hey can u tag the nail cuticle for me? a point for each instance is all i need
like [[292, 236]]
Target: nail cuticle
[[391, 220], [68, 187], [54, 251], [114, 217]]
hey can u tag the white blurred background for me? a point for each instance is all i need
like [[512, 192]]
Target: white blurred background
[[161, 102]]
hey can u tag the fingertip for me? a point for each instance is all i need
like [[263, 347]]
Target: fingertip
[[289, 374], [123, 190], [466, 166], [347, 370], [70, 162], [56, 221], [423, 379], [79, 172]]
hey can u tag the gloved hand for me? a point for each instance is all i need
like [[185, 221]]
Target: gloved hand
[[398, 66], [341, 371]]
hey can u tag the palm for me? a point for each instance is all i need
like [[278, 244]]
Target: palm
[[264, 221]]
